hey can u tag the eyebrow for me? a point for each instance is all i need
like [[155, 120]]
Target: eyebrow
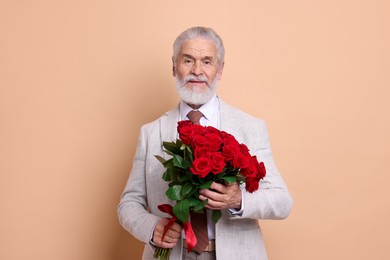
[[192, 57]]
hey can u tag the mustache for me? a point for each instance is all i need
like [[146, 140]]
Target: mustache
[[195, 78]]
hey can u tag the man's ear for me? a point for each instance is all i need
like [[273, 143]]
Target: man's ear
[[219, 73], [173, 67]]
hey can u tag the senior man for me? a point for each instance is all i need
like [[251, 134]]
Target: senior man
[[198, 62]]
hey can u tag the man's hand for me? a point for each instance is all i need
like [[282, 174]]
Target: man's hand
[[222, 196], [170, 238]]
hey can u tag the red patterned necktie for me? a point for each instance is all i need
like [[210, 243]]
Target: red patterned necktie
[[199, 225], [195, 116], [199, 220]]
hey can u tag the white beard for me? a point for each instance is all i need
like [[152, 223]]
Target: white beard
[[196, 95]]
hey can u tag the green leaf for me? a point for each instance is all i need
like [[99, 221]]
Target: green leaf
[[184, 178], [186, 164], [161, 160], [173, 147], [173, 173], [206, 185], [173, 192], [168, 163], [188, 154], [181, 210], [199, 207], [216, 215], [178, 161], [194, 201], [240, 178], [229, 179], [168, 152], [193, 191], [166, 176], [187, 187], [173, 183]]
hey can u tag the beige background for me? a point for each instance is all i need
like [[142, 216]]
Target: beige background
[[78, 79]]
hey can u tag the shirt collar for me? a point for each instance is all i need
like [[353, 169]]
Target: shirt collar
[[208, 109]]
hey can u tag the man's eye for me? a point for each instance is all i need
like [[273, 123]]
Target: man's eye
[[188, 61], [207, 62]]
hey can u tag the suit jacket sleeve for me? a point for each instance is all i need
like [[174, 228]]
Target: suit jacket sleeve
[[133, 212], [272, 200]]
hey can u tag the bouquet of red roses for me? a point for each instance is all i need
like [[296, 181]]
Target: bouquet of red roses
[[202, 155]]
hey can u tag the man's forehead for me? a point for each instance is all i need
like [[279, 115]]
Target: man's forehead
[[199, 47]]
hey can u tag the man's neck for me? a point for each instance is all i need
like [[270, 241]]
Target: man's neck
[[195, 106]]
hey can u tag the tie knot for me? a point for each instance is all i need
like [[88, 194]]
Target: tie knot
[[194, 116]]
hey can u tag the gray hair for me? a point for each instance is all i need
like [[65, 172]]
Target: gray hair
[[202, 32]]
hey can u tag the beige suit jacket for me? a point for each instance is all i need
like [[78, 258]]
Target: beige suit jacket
[[237, 237]]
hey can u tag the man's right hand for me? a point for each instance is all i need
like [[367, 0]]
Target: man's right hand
[[170, 238]]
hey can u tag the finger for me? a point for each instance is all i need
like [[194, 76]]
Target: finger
[[173, 234], [165, 244], [171, 239], [176, 227], [210, 195], [162, 224], [216, 200], [214, 205], [217, 187]]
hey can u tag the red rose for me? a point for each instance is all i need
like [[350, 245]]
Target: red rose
[[186, 132], [212, 130], [249, 172], [229, 150], [214, 141], [201, 167], [241, 160], [252, 184], [225, 135], [228, 139], [261, 169], [183, 123], [218, 163], [244, 148], [255, 170], [199, 129], [202, 151], [199, 140]]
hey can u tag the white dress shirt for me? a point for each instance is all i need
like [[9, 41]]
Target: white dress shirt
[[211, 117]]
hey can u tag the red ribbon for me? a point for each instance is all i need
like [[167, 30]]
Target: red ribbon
[[190, 236]]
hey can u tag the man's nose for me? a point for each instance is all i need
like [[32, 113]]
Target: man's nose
[[197, 69]]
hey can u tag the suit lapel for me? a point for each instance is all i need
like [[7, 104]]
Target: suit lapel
[[224, 116], [168, 126], [230, 122]]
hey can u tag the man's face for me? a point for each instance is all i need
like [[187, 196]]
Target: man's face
[[197, 71]]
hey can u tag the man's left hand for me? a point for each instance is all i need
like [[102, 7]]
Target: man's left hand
[[222, 196]]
